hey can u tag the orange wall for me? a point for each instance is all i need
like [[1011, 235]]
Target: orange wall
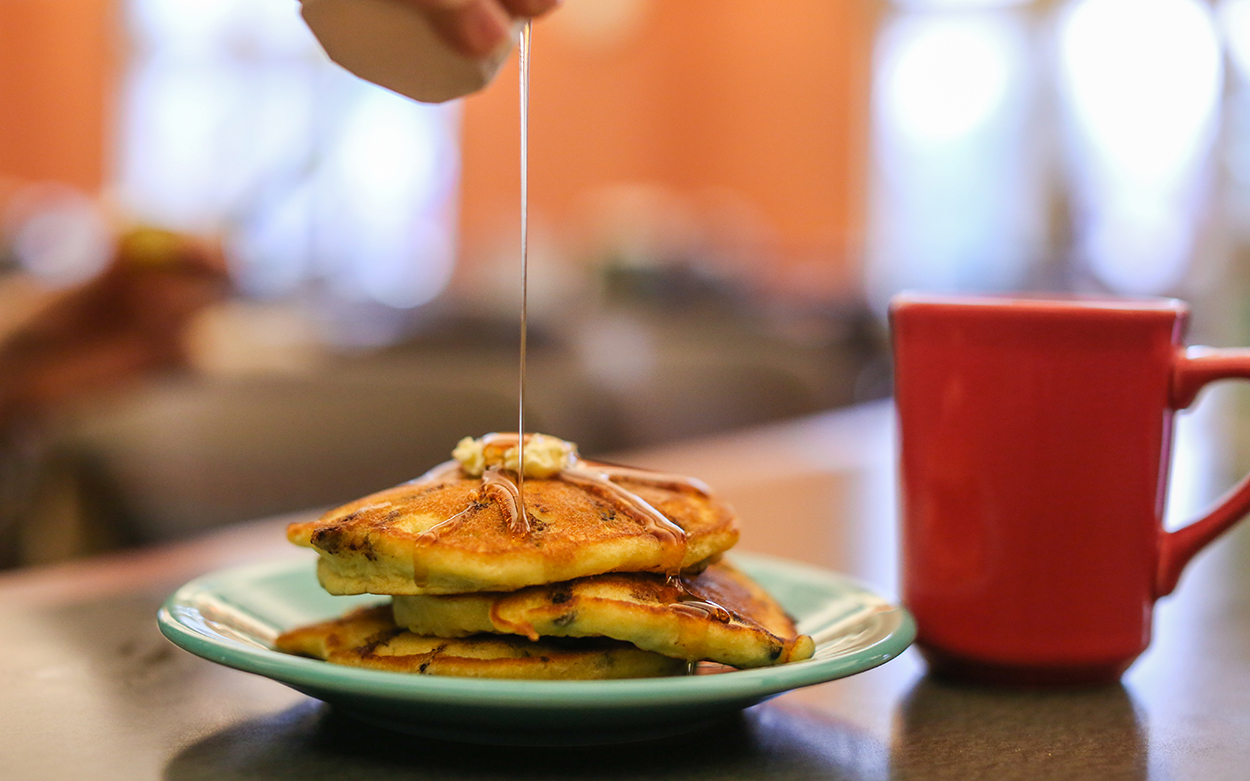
[[770, 104], [743, 96], [56, 62]]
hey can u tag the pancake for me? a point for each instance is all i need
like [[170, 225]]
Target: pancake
[[720, 615], [453, 531], [369, 638]]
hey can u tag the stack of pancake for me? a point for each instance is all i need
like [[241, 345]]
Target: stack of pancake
[[607, 572]]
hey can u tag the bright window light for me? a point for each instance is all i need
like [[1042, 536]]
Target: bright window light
[[393, 155], [204, 28], [1234, 17], [235, 123], [950, 5], [1139, 243], [1143, 78], [941, 78], [1141, 81], [389, 184], [954, 202]]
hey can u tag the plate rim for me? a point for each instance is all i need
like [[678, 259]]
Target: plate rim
[[305, 674]]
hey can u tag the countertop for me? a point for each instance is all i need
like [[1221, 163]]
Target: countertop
[[90, 689]]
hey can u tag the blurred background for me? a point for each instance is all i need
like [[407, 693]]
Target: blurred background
[[723, 198]]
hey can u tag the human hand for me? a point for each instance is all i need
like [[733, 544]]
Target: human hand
[[477, 28]]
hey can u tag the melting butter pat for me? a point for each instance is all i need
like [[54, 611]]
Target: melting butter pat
[[545, 455], [470, 453]]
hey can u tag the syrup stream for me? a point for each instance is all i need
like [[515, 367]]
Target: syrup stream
[[524, 62], [498, 486]]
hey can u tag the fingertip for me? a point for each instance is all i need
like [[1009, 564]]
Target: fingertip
[[528, 8], [476, 29]]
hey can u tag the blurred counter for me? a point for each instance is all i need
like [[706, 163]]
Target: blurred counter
[[274, 422]]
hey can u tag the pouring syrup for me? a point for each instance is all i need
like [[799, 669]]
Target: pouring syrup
[[524, 61]]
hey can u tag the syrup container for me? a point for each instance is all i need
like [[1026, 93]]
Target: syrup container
[[392, 45]]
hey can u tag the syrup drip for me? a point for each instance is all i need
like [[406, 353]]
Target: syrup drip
[[657, 479], [656, 523], [497, 485], [498, 482], [430, 535], [513, 627], [706, 608], [689, 602]]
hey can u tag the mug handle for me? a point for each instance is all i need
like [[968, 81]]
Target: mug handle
[[1195, 367]]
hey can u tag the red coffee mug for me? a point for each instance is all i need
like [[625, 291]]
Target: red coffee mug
[[1035, 440]]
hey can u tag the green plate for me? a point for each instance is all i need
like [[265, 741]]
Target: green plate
[[231, 617]]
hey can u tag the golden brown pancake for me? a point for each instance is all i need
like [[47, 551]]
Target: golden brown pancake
[[720, 615], [388, 543], [369, 638]]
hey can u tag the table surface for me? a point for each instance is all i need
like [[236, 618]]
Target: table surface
[[90, 689]]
